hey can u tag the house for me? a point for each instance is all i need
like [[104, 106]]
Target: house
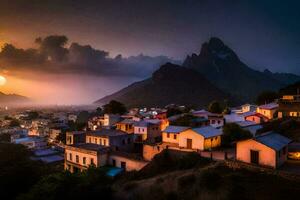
[[126, 161], [75, 137], [171, 134], [145, 130], [107, 120], [250, 126], [289, 106], [268, 110], [202, 138], [269, 149], [115, 139], [216, 120], [126, 125], [32, 142], [53, 134], [47, 156], [246, 108], [79, 157], [256, 117]]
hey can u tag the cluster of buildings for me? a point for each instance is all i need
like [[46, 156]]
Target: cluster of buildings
[[129, 142]]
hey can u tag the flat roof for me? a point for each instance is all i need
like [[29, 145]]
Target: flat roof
[[106, 132], [45, 152], [89, 146]]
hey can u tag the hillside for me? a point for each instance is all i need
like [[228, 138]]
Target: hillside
[[170, 84], [221, 65], [290, 89], [13, 99], [204, 179]]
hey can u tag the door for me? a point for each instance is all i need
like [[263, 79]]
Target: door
[[254, 156], [189, 143], [123, 165]]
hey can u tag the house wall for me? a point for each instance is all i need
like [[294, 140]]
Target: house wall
[[131, 164], [253, 118], [267, 156], [212, 142], [128, 128], [266, 112], [99, 159], [149, 151], [97, 140], [171, 138], [197, 139]]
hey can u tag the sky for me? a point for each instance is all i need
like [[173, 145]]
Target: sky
[[84, 65]]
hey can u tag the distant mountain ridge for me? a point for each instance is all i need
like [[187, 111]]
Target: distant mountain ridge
[[169, 84], [13, 99], [222, 67], [216, 73]]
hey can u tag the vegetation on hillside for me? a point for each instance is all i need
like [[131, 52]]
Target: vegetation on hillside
[[233, 132], [114, 107]]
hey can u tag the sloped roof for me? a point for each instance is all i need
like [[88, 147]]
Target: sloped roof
[[208, 131], [269, 106], [273, 140], [175, 129], [246, 123]]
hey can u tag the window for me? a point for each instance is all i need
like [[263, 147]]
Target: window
[[90, 140], [279, 153], [101, 141], [92, 161], [128, 141], [70, 156], [77, 158], [84, 160], [114, 162], [168, 135], [104, 142], [175, 136], [213, 121], [95, 140]]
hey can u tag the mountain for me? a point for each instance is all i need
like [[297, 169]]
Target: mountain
[[13, 99], [169, 84], [222, 67], [293, 89]]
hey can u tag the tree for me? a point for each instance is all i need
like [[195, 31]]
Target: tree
[[4, 137], [90, 184], [18, 172], [226, 111], [233, 132], [266, 97], [14, 123], [114, 107], [215, 107]]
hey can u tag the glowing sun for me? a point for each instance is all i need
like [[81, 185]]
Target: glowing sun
[[2, 80]]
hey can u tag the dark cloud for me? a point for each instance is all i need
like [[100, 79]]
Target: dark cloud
[[53, 56]]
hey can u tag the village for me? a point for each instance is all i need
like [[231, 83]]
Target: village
[[128, 140]]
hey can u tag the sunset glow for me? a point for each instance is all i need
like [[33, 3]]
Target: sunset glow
[[2, 80]]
